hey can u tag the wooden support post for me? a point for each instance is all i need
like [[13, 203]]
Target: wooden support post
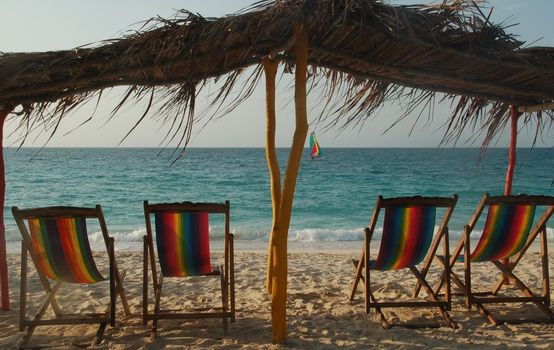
[[4, 111], [280, 233], [512, 153], [270, 69]]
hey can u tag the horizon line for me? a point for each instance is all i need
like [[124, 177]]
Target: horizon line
[[263, 147]]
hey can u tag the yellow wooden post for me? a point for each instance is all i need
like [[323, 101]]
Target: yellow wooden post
[[280, 231], [270, 70]]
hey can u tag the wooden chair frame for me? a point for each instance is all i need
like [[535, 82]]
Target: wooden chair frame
[[225, 271], [116, 278], [364, 262], [490, 297]]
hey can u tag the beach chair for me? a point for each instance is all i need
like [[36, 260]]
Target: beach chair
[[57, 241], [182, 242], [507, 234], [406, 241]]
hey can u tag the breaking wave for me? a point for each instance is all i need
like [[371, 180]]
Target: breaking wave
[[258, 234]]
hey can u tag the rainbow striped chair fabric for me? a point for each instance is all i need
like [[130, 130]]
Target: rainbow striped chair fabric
[[56, 239], [407, 240], [506, 230], [407, 235], [183, 250], [62, 249], [183, 244], [507, 234]]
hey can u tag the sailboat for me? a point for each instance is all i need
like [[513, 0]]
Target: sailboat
[[315, 151]]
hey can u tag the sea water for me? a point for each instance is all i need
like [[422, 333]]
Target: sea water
[[334, 195]]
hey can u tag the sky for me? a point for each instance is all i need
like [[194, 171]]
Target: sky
[[38, 25]]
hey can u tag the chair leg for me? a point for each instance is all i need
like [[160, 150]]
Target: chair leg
[[158, 292], [448, 292], [453, 259], [48, 289], [120, 290], [467, 268], [367, 272], [113, 296], [23, 288], [429, 259], [432, 296], [145, 281], [458, 282], [357, 276], [99, 334], [526, 291], [545, 270], [454, 278], [29, 330], [382, 317], [120, 276], [445, 276], [355, 267], [507, 270], [223, 300], [26, 337], [231, 273], [485, 313], [442, 279]]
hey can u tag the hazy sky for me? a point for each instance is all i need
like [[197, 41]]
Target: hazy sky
[[38, 25]]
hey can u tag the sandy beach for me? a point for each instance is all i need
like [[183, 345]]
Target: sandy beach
[[319, 314]]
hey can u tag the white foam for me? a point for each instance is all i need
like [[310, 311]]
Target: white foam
[[259, 234], [120, 236], [322, 234]]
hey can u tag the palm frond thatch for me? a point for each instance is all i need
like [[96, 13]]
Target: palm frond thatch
[[363, 52]]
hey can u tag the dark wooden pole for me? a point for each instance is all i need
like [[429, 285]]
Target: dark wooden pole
[[4, 111]]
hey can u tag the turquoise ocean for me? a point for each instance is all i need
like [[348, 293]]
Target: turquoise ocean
[[334, 195]]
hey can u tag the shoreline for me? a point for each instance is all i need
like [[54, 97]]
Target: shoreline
[[319, 315], [259, 246]]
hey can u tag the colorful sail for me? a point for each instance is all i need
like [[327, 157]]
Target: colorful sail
[[315, 152]]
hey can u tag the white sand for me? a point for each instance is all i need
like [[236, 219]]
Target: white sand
[[319, 314]]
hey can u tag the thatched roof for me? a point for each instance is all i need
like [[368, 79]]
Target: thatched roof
[[364, 51]]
